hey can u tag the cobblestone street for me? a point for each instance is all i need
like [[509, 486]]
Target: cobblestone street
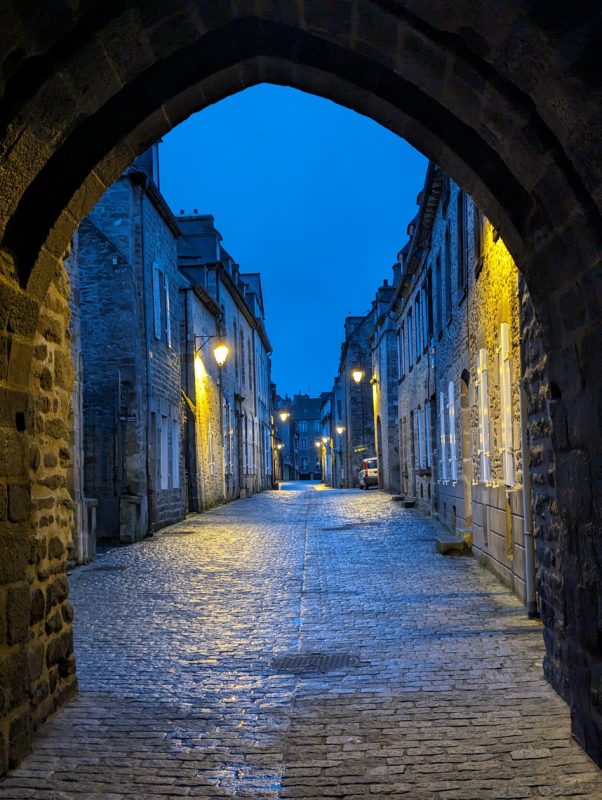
[[186, 689]]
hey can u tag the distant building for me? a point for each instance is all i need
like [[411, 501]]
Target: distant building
[[384, 380], [357, 440], [307, 421], [286, 438]]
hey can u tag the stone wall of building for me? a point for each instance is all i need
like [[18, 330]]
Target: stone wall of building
[[115, 372], [37, 667], [384, 377], [497, 506], [358, 409]]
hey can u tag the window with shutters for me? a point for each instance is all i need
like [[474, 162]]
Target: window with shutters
[[442, 437], [418, 325], [164, 455], [506, 405], [175, 454], [303, 444], [410, 341], [211, 449], [167, 312], [451, 416], [402, 350], [483, 400], [447, 313], [462, 261], [427, 433], [424, 316], [242, 359], [420, 438], [440, 301], [157, 291], [478, 221], [304, 464]]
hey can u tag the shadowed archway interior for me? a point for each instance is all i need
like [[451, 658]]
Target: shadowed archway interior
[[506, 99]]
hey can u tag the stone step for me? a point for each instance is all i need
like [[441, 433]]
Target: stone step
[[449, 545], [407, 503]]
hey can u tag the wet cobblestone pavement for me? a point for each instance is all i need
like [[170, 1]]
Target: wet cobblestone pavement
[[189, 685]]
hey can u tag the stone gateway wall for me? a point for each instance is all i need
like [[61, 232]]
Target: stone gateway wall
[[505, 98], [37, 666]]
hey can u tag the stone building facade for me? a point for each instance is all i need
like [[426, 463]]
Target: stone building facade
[[458, 332], [306, 419], [384, 378], [240, 446], [129, 309], [357, 440]]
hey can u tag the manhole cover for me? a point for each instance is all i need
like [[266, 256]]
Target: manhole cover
[[313, 662], [109, 568]]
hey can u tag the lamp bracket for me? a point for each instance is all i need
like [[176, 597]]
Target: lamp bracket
[[201, 341]]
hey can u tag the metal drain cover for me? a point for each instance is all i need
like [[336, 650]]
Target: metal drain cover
[[302, 663]]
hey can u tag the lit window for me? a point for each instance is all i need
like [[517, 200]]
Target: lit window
[[483, 399], [506, 403]]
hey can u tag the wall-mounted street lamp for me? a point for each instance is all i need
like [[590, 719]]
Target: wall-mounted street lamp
[[284, 415], [325, 439], [220, 348], [340, 429], [318, 443], [357, 375], [279, 446]]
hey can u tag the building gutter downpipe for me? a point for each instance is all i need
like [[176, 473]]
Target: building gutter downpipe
[[530, 588]]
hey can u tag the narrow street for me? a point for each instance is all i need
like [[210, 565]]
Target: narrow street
[[191, 684]]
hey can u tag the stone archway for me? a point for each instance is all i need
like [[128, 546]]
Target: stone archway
[[505, 99]]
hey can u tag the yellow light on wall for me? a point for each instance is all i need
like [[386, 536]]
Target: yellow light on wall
[[324, 439], [340, 429], [284, 415], [318, 443], [358, 375], [220, 353], [279, 445]]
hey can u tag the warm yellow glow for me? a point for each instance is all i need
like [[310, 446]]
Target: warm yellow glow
[[318, 444], [220, 352], [284, 415], [200, 373], [324, 439], [279, 445], [358, 375], [340, 429]]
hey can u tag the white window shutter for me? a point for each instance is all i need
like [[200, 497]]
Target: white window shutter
[[451, 412], [506, 402], [157, 301], [442, 437], [167, 312], [483, 392]]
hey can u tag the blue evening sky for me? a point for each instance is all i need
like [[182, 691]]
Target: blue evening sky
[[310, 194]]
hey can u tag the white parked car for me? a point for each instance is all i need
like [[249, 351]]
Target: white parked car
[[368, 475]]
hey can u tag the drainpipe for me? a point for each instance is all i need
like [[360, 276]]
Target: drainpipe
[[530, 590]]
